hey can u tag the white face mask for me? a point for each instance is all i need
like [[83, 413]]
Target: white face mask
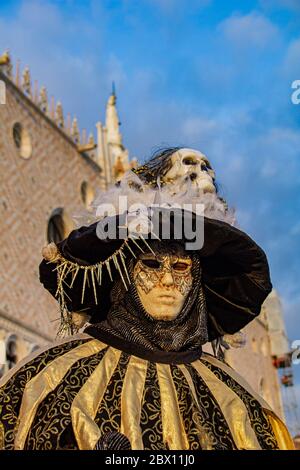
[[191, 165], [163, 283]]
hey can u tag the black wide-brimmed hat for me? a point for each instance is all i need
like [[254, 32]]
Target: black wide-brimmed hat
[[235, 271]]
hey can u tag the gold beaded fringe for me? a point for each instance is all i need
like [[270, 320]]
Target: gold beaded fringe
[[92, 276]]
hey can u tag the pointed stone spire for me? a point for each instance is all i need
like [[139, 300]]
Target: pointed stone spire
[[75, 131], [26, 82], [112, 120], [43, 100], [59, 115], [112, 138]]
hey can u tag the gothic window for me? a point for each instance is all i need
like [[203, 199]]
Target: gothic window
[[11, 351], [56, 226], [22, 140], [33, 348], [59, 225], [87, 194]]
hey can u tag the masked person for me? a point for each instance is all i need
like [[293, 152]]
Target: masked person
[[137, 378]]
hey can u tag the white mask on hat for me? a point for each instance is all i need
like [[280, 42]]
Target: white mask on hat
[[191, 165]]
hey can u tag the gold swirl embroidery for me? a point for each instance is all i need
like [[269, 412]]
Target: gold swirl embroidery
[[108, 416], [1, 435], [53, 415], [258, 418], [11, 393], [188, 411], [151, 421], [211, 417]]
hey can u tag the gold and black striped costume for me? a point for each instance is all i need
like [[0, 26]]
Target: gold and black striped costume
[[73, 393], [131, 381]]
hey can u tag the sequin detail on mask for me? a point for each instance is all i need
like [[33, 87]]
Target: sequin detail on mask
[[148, 277]]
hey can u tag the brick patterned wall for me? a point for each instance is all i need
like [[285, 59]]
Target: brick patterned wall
[[30, 190]]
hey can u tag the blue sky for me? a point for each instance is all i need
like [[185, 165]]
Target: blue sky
[[208, 74]]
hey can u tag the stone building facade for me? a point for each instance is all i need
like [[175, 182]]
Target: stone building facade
[[254, 360], [48, 171]]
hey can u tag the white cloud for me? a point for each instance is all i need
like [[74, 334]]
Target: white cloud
[[168, 6], [291, 64], [295, 230], [285, 4], [252, 30], [46, 39], [243, 217], [115, 70], [199, 128], [281, 160]]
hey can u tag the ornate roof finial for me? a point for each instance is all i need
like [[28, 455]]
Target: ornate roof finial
[[26, 81], [75, 131], [113, 89], [112, 121], [43, 100], [4, 58], [5, 64], [59, 115], [91, 140]]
